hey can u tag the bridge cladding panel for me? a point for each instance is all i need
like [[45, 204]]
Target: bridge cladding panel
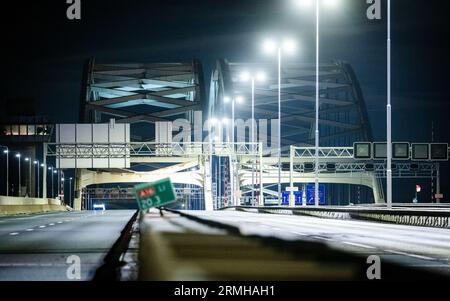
[[343, 115]]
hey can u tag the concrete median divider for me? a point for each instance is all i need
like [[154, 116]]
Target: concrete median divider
[[22, 205]]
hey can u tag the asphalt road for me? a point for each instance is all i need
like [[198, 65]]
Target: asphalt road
[[419, 247], [41, 247]]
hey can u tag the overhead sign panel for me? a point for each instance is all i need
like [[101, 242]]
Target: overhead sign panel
[[400, 151], [362, 150], [439, 151], [380, 150], [93, 145], [420, 151]]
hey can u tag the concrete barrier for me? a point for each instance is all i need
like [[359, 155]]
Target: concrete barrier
[[422, 217], [21, 205]]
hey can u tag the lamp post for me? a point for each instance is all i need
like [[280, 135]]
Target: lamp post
[[51, 171], [259, 76], [18, 156], [308, 3], [36, 162], [6, 152], [270, 47], [233, 100], [29, 176], [389, 112]]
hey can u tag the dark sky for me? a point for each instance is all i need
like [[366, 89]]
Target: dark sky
[[44, 52]]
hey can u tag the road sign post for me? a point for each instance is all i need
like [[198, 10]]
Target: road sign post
[[156, 194]]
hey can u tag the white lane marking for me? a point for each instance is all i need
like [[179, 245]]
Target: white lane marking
[[321, 237], [358, 245], [298, 233], [29, 230], [59, 222], [410, 255], [14, 233], [41, 227], [52, 224]]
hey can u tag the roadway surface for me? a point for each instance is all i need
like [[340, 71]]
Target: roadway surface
[[419, 247], [36, 247]]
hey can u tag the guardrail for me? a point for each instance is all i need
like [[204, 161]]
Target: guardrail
[[436, 217]]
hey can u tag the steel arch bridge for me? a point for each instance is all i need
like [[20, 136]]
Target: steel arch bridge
[[343, 114], [145, 94]]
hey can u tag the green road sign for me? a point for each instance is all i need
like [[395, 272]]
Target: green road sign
[[155, 194]]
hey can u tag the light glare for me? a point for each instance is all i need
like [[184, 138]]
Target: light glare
[[290, 46], [304, 3], [269, 46], [245, 76], [331, 3], [261, 76]]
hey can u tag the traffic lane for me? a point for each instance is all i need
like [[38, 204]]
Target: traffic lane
[[418, 245], [48, 253], [13, 224]]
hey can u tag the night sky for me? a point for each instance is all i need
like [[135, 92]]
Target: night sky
[[43, 52]]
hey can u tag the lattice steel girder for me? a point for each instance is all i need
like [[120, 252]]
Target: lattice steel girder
[[343, 116], [403, 170], [168, 89], [150, 149]]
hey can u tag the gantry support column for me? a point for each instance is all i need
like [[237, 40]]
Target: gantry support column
[[78, 197], [261, 184], [207, 185], [291, 177]]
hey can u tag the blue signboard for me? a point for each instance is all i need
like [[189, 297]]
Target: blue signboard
[[310, 192], [285, 198]]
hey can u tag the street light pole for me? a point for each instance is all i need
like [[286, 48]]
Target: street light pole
[[389, 112], [20, 186], [6, 152], [279, 126], [316, 167], [29, 176], [38, 180], [253, 137]]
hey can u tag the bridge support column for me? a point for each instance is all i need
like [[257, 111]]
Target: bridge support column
[[377, 194], [44, 172], [77, 198]]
